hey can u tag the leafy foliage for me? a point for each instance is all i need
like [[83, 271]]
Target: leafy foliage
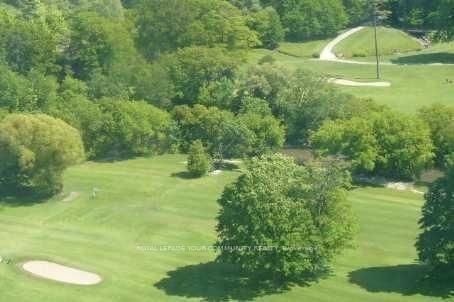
[[199, 162], [383, 142], [166, 25], [267, 24], [284, 220], [34, 152], [440, 119], [436, 244], [309, 19], [133, 128], [192, 69], [225, 135]]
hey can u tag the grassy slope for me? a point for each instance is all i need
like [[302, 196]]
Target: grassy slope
[[413, 86], [308, 49], [140, 203], [391, 41]]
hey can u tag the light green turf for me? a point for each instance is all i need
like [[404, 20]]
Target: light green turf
[[310, 49], [413, 86], [141, 203], [391, 41]]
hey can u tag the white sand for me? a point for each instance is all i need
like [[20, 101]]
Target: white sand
[[359, 84], [60, 273], [215, 172], [403, 186], [71, 196]]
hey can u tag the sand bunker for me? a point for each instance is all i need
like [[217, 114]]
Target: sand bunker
[[403, 186], [60, 273], [359, 84], [215, 172], [71, 196]]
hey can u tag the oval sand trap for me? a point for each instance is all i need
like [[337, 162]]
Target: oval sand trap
[[60, 273], [359, 84]]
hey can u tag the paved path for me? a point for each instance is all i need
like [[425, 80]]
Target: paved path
[[328, 54]]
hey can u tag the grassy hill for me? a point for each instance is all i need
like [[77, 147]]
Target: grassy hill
[[310, 49], [391, 41], [413, 86], [144, 203]]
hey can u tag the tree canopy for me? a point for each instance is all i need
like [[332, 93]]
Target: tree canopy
[[34, 152], [283, 219], [387, 143], [435, 244]]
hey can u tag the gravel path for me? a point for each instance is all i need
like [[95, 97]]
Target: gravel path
[[60, 273]]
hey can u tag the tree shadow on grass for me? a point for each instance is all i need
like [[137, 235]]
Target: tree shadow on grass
[[407, 280], [225, 166], [11, 199], [221, 282], [183, 175], [430, 58]]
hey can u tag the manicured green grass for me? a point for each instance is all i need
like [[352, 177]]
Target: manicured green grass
[[149, 202], [391, 41], [413, 86], [310, 49]]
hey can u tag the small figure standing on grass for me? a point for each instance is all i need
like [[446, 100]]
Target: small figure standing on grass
[[94, 193]]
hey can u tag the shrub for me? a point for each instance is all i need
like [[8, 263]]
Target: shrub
[[34, 152], [199, 162]]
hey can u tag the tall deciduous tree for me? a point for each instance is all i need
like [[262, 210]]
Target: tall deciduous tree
[[440, 119], [308, 19], [267, 24], [34, 152], [385, 143], [284, 220], [436, 242], [166, 25]]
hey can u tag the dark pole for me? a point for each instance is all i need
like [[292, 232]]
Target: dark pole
[[376, 41]]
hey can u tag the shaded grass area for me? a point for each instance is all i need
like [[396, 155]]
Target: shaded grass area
[[140, 205], [408, 280]]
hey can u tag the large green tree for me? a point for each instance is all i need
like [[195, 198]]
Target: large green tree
[[285, 220], [132, 128], [267, 23], [440, 119], [33, 43], [385, 143], [435, 244], [193, 68], [220, 132], [308, 19], [166, 25], [34, 152], [225, 135]]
